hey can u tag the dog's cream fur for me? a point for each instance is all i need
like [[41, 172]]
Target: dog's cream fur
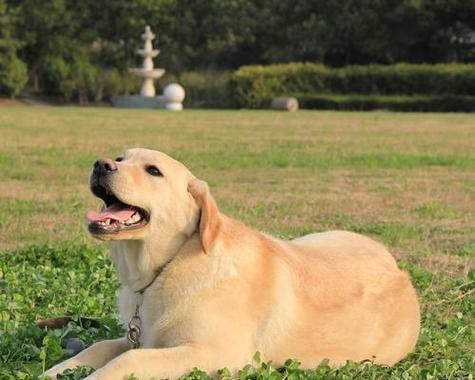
[[229, 291]]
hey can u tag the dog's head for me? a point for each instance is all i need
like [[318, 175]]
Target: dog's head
[[149, 195]]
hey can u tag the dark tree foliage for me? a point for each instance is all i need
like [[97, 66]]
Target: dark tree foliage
[[226, 34], [13, 72]]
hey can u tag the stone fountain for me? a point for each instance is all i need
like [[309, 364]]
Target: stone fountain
[[173, 95], [147, 71]]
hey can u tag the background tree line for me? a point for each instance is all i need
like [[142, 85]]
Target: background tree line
[[83, 48]]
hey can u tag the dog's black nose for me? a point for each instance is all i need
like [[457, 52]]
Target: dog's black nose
[[104, 166]]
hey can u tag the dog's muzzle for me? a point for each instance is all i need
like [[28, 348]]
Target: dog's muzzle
[[103, 167]]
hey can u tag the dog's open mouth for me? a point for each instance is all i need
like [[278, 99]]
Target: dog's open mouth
[[115, 216]]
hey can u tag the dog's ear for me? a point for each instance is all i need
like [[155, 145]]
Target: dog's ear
[[210, 220]]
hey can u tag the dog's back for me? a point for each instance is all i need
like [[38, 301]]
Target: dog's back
[[353, 301]]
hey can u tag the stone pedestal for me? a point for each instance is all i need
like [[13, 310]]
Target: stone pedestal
[[172, 99], [138, 101]]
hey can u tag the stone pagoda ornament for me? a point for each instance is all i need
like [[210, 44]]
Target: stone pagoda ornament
[[147, 71], [173, 94]]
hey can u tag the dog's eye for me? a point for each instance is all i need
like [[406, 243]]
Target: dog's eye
[[153, 170], [118, 159]]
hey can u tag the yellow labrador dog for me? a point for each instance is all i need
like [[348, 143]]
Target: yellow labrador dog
[[200, 289]]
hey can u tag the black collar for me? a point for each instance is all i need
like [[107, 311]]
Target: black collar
[[157, 274]]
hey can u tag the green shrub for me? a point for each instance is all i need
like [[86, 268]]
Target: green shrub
[[86, 78], [118, 83], [56, 77], [254, 86], [204, 89], [82, 80], [13, 75]]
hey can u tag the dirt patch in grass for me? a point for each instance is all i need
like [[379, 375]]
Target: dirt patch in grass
[[10, 102]]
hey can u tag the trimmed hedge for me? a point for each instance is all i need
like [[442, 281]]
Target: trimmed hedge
[[420, 103], [253, 86]]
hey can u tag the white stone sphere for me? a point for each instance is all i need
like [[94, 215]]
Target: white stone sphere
[[174, 93], [174, 106]]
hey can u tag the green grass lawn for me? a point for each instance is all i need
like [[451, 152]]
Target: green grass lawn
[[407, 180]]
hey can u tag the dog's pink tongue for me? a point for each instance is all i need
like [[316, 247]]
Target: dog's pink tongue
[[115, 211]]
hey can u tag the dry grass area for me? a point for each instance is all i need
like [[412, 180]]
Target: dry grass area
[[406, 179]]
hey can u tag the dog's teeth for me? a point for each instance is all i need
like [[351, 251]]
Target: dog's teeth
[[133, 219], [107, 222]]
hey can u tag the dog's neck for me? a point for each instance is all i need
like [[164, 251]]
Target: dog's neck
[[138, 261]]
